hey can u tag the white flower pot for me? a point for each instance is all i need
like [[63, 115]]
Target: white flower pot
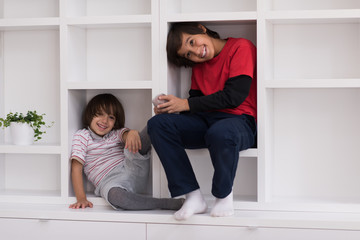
[[21, 133]]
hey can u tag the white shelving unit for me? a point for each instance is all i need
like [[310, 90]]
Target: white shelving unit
[[308, 68], [57, 54]]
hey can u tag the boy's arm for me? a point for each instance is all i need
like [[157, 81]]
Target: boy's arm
[[78, 185], [132, 140]]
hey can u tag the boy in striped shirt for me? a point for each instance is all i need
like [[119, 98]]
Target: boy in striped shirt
[[114, 158]]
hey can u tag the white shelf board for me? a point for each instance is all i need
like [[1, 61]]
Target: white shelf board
[[302, 205], [313, 83], [251, 152], [110, 20], [250, 219], [319, 16], [212, 17], [110, 85], [29, 23], [31, 149]]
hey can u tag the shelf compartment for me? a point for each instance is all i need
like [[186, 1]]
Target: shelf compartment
[[107, 7], [102, 54], [137, 106], [30, 59], [23, 175], [312, 50], [29, 8], [313, 4], [315, 146], [208, 6]]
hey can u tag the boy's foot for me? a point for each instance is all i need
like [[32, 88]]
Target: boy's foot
[[194, 204], [223, 206]]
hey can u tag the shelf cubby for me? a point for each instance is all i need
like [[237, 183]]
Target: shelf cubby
[[295, 49], [23, 175], [102, 54], [178, 83], [137, 106], [315, 152], [30, 59]]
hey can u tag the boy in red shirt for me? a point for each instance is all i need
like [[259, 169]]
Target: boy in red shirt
[[220, 114]]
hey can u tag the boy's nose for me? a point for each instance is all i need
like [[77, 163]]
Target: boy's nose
[[197, 51], [104, 119]]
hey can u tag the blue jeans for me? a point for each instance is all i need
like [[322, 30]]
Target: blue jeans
[[223, 134]]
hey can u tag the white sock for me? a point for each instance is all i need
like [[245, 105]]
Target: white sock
[[223, 206], [194, 204]]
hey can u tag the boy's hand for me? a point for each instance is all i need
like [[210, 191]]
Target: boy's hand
[[81, 204], [172, 105], [132, 141]]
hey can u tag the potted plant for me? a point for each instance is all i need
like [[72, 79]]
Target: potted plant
[[25, 129]]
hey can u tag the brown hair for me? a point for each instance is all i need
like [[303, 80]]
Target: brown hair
[[104, 102], [174, 41]]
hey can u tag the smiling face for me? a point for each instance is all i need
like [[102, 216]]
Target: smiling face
[[197, 48], [102, 123]]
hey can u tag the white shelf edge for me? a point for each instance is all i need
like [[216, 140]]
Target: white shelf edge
[[313, 83], [315, 207], [251, 152], [212, 17], [31, 149], [109, 85], [325, 15], [243, 218], [109, 20], [16, 23]]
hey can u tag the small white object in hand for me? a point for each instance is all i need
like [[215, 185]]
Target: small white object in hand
[[156, 101]]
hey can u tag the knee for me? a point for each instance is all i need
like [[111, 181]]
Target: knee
[[159, 122], [118, 198], [221, 136], [154, 123]]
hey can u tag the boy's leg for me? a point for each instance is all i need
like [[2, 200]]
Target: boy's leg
[[123, 199], [170, 135], [145, 141], [225, 139]]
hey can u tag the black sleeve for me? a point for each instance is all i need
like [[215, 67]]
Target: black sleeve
[[235, 91]]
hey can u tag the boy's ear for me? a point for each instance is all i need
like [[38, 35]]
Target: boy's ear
[[203, 28]]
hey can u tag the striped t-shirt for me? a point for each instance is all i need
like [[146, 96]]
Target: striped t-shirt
[[99, 155]]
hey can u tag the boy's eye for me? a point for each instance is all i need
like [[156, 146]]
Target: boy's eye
[[188, 55], [191, 42]]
